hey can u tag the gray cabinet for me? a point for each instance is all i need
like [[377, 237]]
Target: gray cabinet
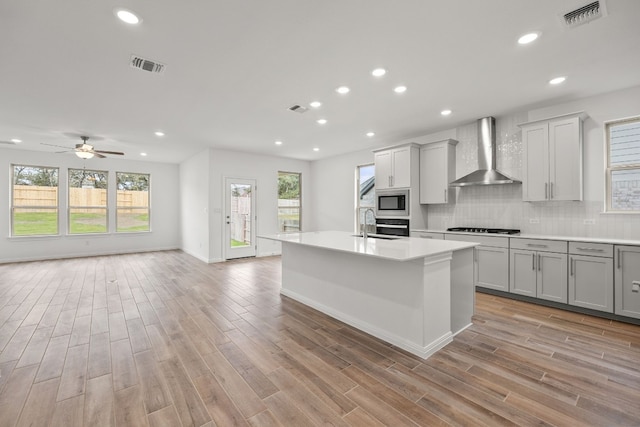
[[552, 159], [591, 276], [437, 170], [627, 281], [394, 166], [538, 268], [427, 235], [491, 260]]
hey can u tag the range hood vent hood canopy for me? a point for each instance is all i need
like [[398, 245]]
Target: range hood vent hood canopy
[[486, 173]]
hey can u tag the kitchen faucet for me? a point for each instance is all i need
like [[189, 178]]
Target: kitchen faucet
[[364, 230]]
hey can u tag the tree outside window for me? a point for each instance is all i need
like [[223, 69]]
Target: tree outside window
[[289, 201], [34, 201], [87, 201], [132, 202]]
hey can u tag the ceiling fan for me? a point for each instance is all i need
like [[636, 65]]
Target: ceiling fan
[[86, 151]]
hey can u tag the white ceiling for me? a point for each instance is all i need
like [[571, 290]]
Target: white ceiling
[[234, 67]]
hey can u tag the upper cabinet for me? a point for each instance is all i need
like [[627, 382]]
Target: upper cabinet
[[552, 161], [393, 167], [437, 170]]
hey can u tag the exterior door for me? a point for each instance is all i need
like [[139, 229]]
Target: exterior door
[[240, 218]]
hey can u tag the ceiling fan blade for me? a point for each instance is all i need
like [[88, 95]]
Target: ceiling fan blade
[[98, 155], [54, 145], [117, 153]]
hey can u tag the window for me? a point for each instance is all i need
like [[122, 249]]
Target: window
[[366, 195], [289, 201], [34, 201], [87, 201], [132, 202], [623, 165]]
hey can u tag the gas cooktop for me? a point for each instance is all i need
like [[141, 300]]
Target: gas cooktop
[[484, 230]]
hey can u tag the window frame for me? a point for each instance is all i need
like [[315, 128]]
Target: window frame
[[13, 207], [69, 207], [358, 208], [299, 207], [609, 170], [148, 207]]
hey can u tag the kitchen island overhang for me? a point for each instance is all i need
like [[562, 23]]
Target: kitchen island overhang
[[413, 293]]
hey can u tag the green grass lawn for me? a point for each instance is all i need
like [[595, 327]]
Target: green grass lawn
[[237, 243], [80, 223], [46, 223], [35, 223]]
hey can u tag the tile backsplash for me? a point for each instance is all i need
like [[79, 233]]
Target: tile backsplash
[[502, 206]]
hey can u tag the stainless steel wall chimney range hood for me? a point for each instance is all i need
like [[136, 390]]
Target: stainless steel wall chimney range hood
[[486, 173]]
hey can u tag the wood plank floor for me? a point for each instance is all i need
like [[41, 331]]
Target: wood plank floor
[[162, 339]]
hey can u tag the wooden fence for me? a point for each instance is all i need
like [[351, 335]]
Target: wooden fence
[[30, 195]]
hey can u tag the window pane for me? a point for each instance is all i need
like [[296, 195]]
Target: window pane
[[34, 201], [35, 221], [366, 197], [132, 202], [87, 201], [289, 201], [87, 220], [625, 190], [624, 144]]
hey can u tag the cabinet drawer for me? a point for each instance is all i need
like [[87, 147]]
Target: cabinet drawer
[[427, 235], [496, 242], [539, 245], [592, 249]]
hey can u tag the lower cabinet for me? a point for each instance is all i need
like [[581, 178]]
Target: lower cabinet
[[491, 260], [591, 276], [427, 235], [627, 281], [539, 274]]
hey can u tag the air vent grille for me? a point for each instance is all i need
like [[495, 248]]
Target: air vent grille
[[584, 14], [147, 65], [298, 108]]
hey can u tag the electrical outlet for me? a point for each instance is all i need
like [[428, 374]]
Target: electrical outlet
[[589, 221], [534, 221]]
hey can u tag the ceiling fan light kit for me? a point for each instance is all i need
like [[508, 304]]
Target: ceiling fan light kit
[[84, 154]]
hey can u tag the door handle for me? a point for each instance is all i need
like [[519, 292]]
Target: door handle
[[571, 266], [533, 262], [619, 260], [539, 262]]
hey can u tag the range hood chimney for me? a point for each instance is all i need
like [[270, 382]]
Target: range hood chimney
[[486, 173]]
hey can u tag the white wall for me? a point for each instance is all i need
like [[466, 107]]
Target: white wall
[[164, 210], [203, 205], [194, 206]]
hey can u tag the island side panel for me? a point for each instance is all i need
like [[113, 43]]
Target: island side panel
[[462, 290], [384, 298]]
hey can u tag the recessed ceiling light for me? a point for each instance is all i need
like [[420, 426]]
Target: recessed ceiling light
[[278, 142], [400, 89], [316, 149], [371, 134], [315, 104], [321, 121], [445, 112], [16, 141], [343, 90], [557, 80], [379, 72], [127, 16], [159, 133], [528, 38], [143, 154]]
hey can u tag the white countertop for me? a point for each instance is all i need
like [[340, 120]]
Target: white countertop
[[544, 237], [402, 249]]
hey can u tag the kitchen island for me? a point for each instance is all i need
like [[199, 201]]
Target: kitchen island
[[413, 293]]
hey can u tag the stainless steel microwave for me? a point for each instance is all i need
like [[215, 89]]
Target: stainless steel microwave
[[392, 203]]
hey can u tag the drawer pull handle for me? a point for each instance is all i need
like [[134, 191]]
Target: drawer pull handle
[[590, 249], [534, 245]]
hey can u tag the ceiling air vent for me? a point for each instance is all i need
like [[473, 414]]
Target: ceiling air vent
[[298, 108], [584, 14], [146, 65]]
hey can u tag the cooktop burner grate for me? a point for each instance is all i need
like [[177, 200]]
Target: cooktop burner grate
[[485, 230]]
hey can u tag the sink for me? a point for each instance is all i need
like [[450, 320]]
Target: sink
[[379, 236]]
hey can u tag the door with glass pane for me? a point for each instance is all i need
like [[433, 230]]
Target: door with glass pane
[[240, 218]]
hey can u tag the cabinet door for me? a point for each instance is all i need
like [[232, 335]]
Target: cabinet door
[[627, 274], [401, 168], [433, 174], [535, 166], [522, 272], [591, 282], [565, 159], [427, 235], [552, 276], [492, 268], [383, 169]]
